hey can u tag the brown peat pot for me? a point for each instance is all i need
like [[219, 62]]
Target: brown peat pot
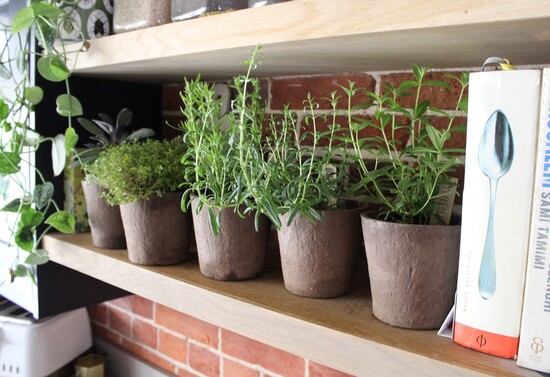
[[238, 252], [412, 270], [157, 231], [105, 220], [318, 259]]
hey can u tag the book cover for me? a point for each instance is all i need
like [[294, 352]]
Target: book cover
[[503, 114], [534, 345]]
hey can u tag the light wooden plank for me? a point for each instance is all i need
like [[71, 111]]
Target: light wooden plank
[[324, 36], [341, 333]]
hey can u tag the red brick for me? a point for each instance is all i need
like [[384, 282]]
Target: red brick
[[144, 333], [294, 91], [439, 97], [173, 346], [187, 326], [98, 313], [254, 352], [233, 369], [167, 130], [318, 370], [122, 303], [120, 322], [184, 373], [135, 304], [204, 361], [106, 333], [148, 356]]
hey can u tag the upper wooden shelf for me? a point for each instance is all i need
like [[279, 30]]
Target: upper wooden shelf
[[341, 333], [327, 36]]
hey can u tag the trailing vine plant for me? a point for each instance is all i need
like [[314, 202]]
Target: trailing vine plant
[[33, 206]]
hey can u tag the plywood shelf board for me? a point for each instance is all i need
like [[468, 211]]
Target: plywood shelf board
[[325, 36], [341, 333]]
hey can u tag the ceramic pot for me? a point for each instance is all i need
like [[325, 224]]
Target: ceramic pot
[[104, 220], [412, 270], [238, 252], [157, 231], [318, 259]]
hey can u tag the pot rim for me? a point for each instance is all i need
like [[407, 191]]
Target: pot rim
[[366, 217]]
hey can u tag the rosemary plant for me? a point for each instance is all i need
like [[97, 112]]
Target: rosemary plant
[[224, 161], [307, 169]]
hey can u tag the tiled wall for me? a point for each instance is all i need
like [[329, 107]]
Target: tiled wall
[[187, 346]]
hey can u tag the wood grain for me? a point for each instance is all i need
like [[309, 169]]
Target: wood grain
[[326, 36], [341, 333]]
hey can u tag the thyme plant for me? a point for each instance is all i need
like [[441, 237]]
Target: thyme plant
[[406, 181], [134, 171]]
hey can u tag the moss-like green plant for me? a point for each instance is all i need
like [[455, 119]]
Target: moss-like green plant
[[137, 171]]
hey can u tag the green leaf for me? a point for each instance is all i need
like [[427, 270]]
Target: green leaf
[[70, 140], [437, 83], [90, 127], [31, 217], [12, 206], [52, 68], [42, 194], [4, 110], [9, 162], [68, 106], [46, 10], [45, 34], [33, 94], [435, 136], [24, 238], [58, 154], [62, 221], [40, 256], [20, 271], [22, 20]]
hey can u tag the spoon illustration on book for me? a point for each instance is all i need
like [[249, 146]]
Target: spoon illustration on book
[[495, 156]]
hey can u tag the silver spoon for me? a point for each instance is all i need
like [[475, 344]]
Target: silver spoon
[[495, 156]]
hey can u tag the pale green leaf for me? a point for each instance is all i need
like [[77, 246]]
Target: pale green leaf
[[68, 106], [70, 140], [62, 221], [33, 94], [40, 256], [42, 194]]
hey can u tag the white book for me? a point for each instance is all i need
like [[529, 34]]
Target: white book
[[534, 346], [503, 118]]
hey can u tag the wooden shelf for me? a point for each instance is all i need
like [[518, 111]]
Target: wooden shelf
[[326, 36], [341, 333]]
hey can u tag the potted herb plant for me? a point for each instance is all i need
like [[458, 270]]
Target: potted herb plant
[[224, 163], [412, 252], [105, 221], [143, 178], [308, 179]]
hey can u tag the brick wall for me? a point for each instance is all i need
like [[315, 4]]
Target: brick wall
[[187, 346]]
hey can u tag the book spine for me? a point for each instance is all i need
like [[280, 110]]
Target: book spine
[[534, 347]]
